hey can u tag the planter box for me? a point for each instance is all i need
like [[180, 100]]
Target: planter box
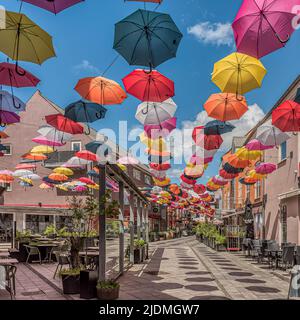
[[88, 283], [108, 294], [22, 256], [138, 256], [71, 284]]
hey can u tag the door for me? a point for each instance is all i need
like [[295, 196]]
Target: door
[[283, 218], [6, 227]]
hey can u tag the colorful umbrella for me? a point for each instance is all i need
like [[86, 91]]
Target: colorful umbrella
[[7, 117], [162, 183], [47, 142], [155, 112], [226, 175], [23, 40], [75, 162], [255, 144], [209, 142], [86, 180], [21, 173], [128, 160], [199, 188], [101, 90], [160, 166], [254, 175], [3, 135], [220, 180], [149, 85], [262, 27], [58, 177], [238, 73], [61, 123], [216, 127], [245, 154], [147, 38], [162, 130], [230, 169], [53, 134], [87, 155], [35, 156], [247, 181], [80, 188], [286, 117], [6, 178], [25, 166], [66, 171], [195, 172], [225, 106], [265, 168], [54, 6], [236, 162], [99, 148], [45, 186], [269, 135], [93, 173], [10, 103], [42, 150]]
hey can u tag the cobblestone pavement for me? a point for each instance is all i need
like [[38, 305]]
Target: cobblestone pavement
[[186, 269], [177, 269]]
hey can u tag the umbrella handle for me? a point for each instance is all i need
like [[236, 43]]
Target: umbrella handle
[[237, 97], [99, 115], [15, 105], [147, 110], [283, 41], [87, 133], [20, 73], [2, 125]]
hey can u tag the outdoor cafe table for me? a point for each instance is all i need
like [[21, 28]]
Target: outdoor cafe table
[[8, 261], [45, 250], [93, 248]]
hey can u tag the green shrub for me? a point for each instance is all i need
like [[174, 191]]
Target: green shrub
[[108, 284]]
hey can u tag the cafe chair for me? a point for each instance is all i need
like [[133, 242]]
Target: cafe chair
[[8, 274], [33, 251]]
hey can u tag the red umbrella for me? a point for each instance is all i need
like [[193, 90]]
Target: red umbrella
[[86, 180], [209, 142], [149, 85], [87, 155], [160, 167], [64, 124], [224, 174], [286, 117]]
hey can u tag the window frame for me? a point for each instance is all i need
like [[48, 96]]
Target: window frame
[[76, 142], [10, 148], [134, 171], [281, 158]]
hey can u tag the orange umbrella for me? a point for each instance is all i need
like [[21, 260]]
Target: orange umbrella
[[4, 178], [34, 157], [101, 90], [236, 162], [194, 172], [3, 135], [58, 177], [225, 106]]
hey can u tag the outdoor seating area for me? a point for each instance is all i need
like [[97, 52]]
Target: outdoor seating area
[[278, 256]]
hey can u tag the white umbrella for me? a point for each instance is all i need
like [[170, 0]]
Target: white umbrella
[[128, 160], [158, 174], [32, 176], [53, 134], [270, 135], [76, 162], [155, 112], [22, 173]]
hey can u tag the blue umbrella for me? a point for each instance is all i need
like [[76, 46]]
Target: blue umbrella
[[10, 103], [50, 181], [217, 127], [147, 38], [98, 147], [93, 174], [230, 169], [83, 111]]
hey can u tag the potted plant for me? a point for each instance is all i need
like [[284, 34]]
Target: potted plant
[[22, 238], [50, 231], [108, 290], [70, 280], [220, 242], [138, 251]]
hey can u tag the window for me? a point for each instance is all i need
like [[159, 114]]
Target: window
[[147, 179], [76, 146], [240, 194], [7, 186], [8, 151], [136, 174], [282, 151], [258, 189], [248, 192]]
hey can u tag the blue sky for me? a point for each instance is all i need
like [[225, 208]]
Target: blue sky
[[83, 39]]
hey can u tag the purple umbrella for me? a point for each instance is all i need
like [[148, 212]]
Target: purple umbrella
[[265, 168], [263, 26], [7, 117], [155, 131], [54, 6]]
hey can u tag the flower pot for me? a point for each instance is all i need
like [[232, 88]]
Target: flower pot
[[108, 293], [88, 283], [137, 254], [70, 284]]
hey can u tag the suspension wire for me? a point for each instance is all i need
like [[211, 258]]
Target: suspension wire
[[110, 65]]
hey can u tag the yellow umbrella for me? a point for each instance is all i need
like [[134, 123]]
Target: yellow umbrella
[[27, 180], [205, 166], [24, 40], [155, 144], [93, 186], [238, 73], [62, 187], [121, 166], [42, 150], [63, 170], [246, 154], [254, 175]]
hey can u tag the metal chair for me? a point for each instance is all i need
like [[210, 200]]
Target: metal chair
[[297, 257], [273, 248], [9, 278], [62, 259], [287, 259], [33, 251]]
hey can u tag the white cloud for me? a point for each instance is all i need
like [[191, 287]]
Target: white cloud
[[174, 172], [212, 33], [85, 65]]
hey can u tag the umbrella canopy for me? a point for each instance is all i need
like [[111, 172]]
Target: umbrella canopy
[[199, 188], [9, 76], [99, 148], [128, 160], [58, 177], [54, 6], [157, 144], [255, 144], [6, 178], [155, 112], [7, 117], [149, 85], [236, 162], [219, 181], [22, 172], [262, 27], [93, 173], [10, 103], [25, 166], [147, 38], [160, 166], [76, 162], [23, 40], [35, 156], [3, 135], [101, 90], [87, 155], [230, 169], [163, 183], [45, 186], [245, 154], [61, 123], [31, 176], [80, 188], [87, 112], [195, 172], [254, 175], [6, 172], [225, 106], [162, 130], [247, 181], [265, 168], [286, 117], [66, 171], [217, 127], [86, 180], [238, 73], [42, 149], [53, 134], [269, 135], [208, 142], [47, 142], [226, 175]]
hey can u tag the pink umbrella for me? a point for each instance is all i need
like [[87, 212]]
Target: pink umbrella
[[256, 145], [128, 160], [86, 180], [155, 131], [46, 142], [7, 117], [263, 26], [198, 160], [265, 168], [80, 188], [219, 181], [54, 6]]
